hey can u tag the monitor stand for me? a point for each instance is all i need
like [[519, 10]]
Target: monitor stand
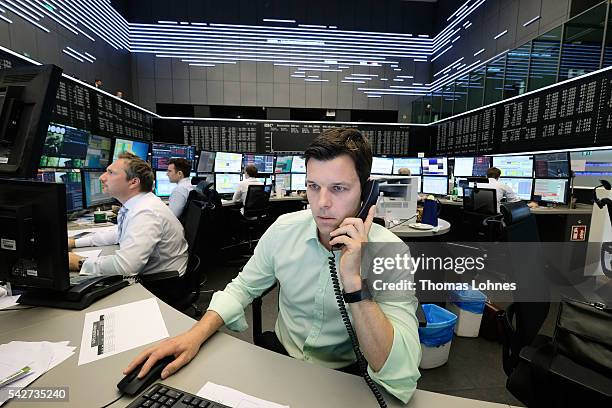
[[78, 297]]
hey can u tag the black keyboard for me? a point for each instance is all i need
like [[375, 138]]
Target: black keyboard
[[162, 396]]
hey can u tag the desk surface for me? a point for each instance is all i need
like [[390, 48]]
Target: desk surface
[[405, 231], [580, 208], [223, 359]]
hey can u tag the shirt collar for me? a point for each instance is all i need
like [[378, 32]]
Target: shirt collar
[[185, 180], [132, 202], [312, 233]]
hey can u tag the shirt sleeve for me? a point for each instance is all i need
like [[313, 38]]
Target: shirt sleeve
[[400, 372], [103, 238], [140, 239], [256, 276], [238, 194], [177, 200], [510, 194]]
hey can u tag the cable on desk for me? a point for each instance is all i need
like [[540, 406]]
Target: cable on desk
[[112, 402]]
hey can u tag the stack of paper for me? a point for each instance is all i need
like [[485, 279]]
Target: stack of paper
[[39, 357], [233, 398], [8, 301]]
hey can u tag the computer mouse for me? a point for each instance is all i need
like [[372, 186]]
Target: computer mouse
[[132, 385]]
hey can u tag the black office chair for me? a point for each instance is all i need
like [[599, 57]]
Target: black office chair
[[256, 211], [182, 292], [479, 212]]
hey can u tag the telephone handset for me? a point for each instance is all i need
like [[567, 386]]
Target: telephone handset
[[369, 196]]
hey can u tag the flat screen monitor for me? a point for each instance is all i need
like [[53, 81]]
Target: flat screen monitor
[[414, 164], [590, 166], [206, 164], [228, 162], [27, 97], [227, 183], [74, 186], [98, 152], [64, 146], [521, 186], [163, 186], [298, 164], [137, 147], [40, 242], [283, 180], [435, 185], [514, 166], [551, 190], [298, 182], [93, 189], [161, 153], [461, 182], [471, 166], [382, 165], [283, 164], [552, 165], [264, 163], [265, 180], [436, 166]]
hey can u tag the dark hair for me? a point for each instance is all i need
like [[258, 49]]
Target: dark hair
[[181, 164], [140, 169], [338, 141], [493, 172], [251, 170]]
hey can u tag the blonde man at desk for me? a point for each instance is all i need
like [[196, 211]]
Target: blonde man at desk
[[503, 191], [250, 174], [150, 237], [295, 251]]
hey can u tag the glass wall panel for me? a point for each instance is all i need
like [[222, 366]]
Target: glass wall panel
[[582, 43], [417, 111], [447, 101], [461, 87], [608, 50], [436, 105], [544, 59], [427, 108], [476, 88], [517, 65], [494, 80]]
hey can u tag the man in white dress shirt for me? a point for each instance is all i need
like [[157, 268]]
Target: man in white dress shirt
[[150, 237], [178, 172], [502, 190], [250, 174]]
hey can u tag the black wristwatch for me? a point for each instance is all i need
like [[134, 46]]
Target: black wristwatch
[[81, 262], [358, 296]]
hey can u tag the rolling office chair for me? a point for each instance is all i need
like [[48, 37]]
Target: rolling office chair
[[256, 211], [182, 292], [479, 213]]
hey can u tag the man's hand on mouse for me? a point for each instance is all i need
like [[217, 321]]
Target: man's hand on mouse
[[183, 347]]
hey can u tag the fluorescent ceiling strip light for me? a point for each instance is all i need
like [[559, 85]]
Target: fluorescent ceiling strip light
[[276, 20], [442, 53], [479, 52], [500, 34], [352, 81], [167, 22], [26, 18], [72, 55], [455, 39], [526, 23], [374, 96], [311, 26], [79, 54], [6, 19], [316, 80], [24, 10], [201, 65], [406, 76]]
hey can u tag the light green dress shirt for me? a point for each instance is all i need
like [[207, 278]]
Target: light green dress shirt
[[309, 324]]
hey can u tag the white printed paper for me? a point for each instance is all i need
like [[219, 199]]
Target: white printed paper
[[73, 232], [40, 356], [233, 398], [89, 254], [110, 331], [8, 301]]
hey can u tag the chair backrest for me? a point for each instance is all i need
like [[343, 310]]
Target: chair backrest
[[192, 216], [520, 223], [257, 200], [484, 200]]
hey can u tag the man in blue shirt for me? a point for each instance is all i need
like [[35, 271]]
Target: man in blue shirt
[[295, 251]]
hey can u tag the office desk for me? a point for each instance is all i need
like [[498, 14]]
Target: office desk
[[223, 359], [405, 231], [580, 208], [273, 199]]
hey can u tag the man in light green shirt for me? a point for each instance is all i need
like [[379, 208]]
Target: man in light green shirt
[[295, 251]]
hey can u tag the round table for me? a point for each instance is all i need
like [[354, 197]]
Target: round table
[[405, 231]]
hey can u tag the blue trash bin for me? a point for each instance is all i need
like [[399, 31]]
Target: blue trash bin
[[437, 336]]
